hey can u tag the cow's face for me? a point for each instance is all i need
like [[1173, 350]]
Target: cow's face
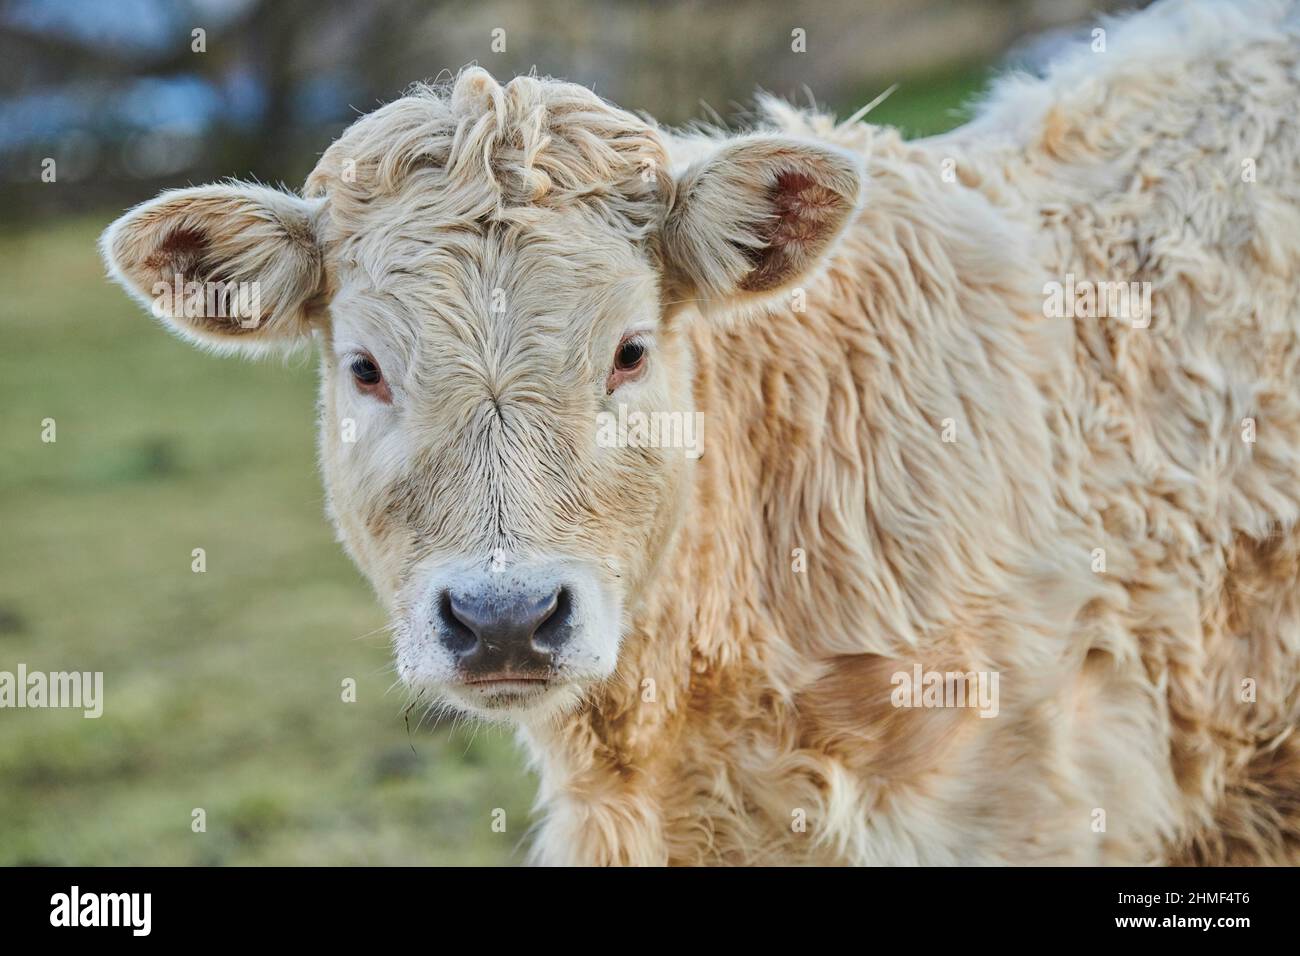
[[471, 375], [493, 276]]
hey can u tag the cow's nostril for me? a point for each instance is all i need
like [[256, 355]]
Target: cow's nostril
[[554, 630], [459, 636]]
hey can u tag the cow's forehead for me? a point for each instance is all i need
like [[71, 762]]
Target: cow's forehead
[[416, 228], [543, 277]]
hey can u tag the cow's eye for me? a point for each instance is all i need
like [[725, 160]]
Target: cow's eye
[[630, 354], [366, 372], [369, 378], [629, 361]]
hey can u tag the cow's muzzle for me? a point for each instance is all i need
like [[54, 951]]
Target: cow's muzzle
[[509, 638]]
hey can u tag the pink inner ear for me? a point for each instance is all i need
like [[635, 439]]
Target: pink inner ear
[[181, 252], [803, 216], [803, 209], [789, 203]]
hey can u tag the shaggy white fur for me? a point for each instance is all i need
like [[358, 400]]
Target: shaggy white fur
[[1018, 402]]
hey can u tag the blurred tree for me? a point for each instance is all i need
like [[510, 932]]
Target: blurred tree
[[114, 88]]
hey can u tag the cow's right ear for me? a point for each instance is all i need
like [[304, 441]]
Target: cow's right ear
[[231, 266]]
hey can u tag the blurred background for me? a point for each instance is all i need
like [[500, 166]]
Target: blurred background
[[224, 690]]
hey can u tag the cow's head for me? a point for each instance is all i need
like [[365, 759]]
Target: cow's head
[[490, 273]]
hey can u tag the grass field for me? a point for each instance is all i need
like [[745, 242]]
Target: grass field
[[222, 689]]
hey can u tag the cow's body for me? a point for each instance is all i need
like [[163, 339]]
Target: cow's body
[[922, 454], [1105, 531]]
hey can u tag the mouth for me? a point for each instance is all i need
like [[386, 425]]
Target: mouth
[[498, 690], [505, 680]]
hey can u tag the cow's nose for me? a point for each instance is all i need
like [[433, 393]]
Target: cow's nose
[[510, 633]]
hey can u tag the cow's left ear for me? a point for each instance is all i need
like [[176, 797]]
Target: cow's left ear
[[757, 216], [235, 266]]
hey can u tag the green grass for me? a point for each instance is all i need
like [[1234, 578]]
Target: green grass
[[925, 105], [223, 689]]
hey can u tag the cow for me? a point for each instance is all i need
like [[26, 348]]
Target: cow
[[968, 530]]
